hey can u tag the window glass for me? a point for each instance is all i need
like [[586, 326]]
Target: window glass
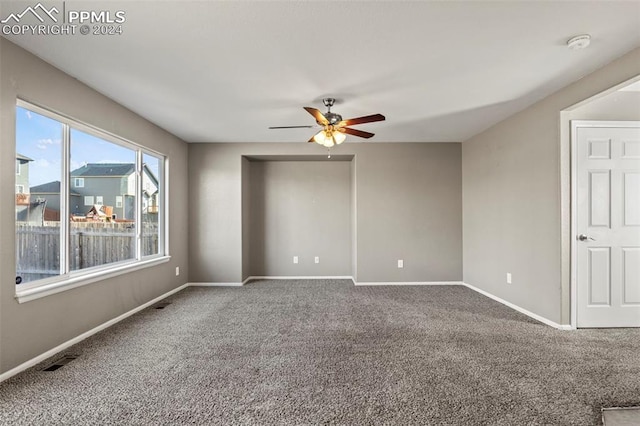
[[100, 231], [106, 209], [37, 201], [151, 199]]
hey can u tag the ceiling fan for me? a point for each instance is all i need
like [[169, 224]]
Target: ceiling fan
[[334, 128]]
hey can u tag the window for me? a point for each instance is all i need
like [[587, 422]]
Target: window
[[39, 150], [18, 167], [151, 175], [68, 230], [118, 173]]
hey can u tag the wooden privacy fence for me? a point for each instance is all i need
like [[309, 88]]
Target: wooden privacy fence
[[91, 244]]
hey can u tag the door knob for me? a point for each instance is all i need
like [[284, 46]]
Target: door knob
[[583, 237]]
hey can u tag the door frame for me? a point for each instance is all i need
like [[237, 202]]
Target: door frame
[[575, 124]]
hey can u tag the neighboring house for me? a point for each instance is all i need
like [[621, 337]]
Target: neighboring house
[[50, 192], [113, 184], [27, 210], [102, 184], [22, 177]]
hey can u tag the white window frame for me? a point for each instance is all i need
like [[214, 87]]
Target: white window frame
[[18, 167], [162, 197], [88, 200], [118, 201], [19, 189], [100, 200], [72, 279], [78, 182]]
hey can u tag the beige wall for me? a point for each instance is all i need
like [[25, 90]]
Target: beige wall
[[617, 106], [32, 328], [407, 206], [516, 198], [300, 208]]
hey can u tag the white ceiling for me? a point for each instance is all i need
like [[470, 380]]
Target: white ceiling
[[439, 71]]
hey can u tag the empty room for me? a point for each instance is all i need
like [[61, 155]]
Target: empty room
[[320, 212]]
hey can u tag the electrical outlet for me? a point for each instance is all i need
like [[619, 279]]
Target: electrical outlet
[[400, 263], [508, 277], [317, 260], [177, 271], [295, 259]]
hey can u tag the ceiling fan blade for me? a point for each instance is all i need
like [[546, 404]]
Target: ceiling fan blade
[[317, 115], [354, 132], [312, 140], [361, 120], [291, 127]]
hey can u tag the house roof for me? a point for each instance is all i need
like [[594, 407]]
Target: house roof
[[104, 170], [151, 175], [48, 188], [23, 158]]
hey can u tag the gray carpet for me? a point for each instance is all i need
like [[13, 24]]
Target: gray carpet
[[326, 352]]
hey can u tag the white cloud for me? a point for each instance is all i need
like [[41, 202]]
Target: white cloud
[[44, 143], [29, 114]]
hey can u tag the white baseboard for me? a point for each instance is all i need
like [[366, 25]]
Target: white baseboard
[[28, 364], [410, 283], [565, 327], [270, 277], [519, 309], [306, 277], [215, 284]]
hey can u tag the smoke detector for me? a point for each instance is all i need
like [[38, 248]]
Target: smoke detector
[[579, 42]]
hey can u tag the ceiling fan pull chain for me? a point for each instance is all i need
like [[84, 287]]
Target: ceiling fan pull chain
[[328, 153]]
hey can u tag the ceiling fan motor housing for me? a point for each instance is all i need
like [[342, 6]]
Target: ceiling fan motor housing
[[333, 118]]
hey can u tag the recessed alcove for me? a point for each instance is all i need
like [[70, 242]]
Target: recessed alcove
[[300, 206]]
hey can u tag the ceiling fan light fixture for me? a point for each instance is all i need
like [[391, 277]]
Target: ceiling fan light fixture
[[321, 138], [329, 138]]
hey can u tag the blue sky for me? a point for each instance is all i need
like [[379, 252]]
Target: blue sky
[[39, 138]]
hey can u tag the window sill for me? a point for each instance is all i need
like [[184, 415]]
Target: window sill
[[44, 290]]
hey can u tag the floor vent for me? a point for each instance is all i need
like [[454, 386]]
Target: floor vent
[[162, 305], [60, 363], [621, 416]]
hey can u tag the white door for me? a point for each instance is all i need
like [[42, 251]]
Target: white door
[[608, 226]]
